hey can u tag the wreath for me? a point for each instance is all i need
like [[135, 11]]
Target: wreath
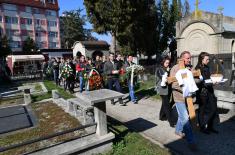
[[94, 80]]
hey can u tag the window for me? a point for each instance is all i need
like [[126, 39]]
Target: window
[[37, 22], [7, 19], [52, 44], [11, 33], [41, 44], [51, 1], [38, 34], [29, 21], [10, 7], [14, 20], [50, 13], [11, 20], [52, 23], [53, 34], [15, 44], [28, 9], [26, 21], [36, 11]]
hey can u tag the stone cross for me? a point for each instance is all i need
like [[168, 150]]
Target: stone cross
[[189, 100], [197, 11]]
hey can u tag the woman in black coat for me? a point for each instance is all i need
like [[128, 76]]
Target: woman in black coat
[[164, 91], [206, 97]]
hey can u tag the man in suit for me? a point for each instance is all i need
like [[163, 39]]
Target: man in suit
[[112, 73]]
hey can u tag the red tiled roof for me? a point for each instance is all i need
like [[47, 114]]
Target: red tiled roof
[[33, 3]]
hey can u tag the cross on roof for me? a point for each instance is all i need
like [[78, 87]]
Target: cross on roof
[[197, 4]]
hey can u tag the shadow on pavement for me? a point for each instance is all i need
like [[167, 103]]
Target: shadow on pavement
[[219, 144]]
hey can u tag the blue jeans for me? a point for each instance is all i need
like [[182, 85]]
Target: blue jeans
[[183, 124], [81, 83], [132, 92], [115, 82]]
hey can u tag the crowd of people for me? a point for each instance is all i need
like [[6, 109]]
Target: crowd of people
[[110, 69], [174, 93], [72, 72]]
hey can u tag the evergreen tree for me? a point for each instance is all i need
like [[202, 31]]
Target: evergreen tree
[[186, 11], [140, 35], [72, 28], [5, 49], [109, 16], [174, 16], [180, 9], [29, 45], [164, 32], [131, 22]]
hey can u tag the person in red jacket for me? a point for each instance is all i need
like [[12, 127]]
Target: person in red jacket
[[81, 71]]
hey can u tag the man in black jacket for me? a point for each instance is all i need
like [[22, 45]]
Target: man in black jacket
[[112, 73]]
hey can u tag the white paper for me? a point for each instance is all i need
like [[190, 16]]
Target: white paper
[[210, 81]]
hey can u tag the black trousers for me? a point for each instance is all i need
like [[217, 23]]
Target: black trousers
[[207, 110], [165, 111], [69, 84]]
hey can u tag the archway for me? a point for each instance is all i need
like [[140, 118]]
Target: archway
[[197, 38], [95, 53]]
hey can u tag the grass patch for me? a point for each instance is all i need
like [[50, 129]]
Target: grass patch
[[50, 85], [38, 87], [11, 101], [146, 88], [51, 119], [131, 143]]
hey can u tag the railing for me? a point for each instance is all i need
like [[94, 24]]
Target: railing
[[27, 75], [3, 149]]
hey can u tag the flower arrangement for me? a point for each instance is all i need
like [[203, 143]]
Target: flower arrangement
[[94, 80], [137, 69], [66, 71]]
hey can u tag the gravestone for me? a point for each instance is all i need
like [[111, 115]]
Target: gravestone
[[14, 118]]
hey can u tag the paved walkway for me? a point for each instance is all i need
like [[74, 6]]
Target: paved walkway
[[143, 118]]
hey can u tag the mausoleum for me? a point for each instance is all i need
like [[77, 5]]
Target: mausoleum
[[211, 32], [90, 48]]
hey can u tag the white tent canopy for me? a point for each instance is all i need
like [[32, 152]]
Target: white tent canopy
[[18, 58]]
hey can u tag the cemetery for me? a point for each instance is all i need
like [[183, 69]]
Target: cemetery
[[163, 83]]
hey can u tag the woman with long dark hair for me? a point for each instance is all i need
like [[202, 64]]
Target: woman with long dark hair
[[163, 89], [206, 97]]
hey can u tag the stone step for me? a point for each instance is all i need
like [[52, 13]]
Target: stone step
[[226, 96]]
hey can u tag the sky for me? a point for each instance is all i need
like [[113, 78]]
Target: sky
[[205, 5]]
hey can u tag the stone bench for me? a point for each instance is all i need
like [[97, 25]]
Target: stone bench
[[81, 109]]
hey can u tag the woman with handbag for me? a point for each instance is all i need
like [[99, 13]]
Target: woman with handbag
[[206, 97], [164, 90]]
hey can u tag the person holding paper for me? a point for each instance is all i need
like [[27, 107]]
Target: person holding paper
[[206, 97], [183, 126], [164, 90]]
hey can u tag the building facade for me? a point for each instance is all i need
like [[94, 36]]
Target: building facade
[[37, 19]]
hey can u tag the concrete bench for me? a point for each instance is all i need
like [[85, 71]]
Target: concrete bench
[[81, 109]]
